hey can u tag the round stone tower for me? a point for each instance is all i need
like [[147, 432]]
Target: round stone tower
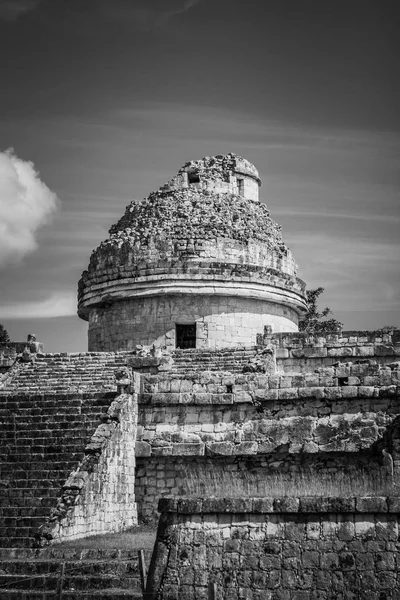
[[197, 264]]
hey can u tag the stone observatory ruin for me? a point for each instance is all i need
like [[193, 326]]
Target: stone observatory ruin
[[197, 264], [269, 458]]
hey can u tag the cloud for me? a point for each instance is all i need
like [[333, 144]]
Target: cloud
[[60, 304], [147, 14], [182, 9], [11, 10], [26, 204], [324, 214]]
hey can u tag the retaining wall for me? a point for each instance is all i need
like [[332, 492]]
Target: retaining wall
[[277, 549], [332, 421]]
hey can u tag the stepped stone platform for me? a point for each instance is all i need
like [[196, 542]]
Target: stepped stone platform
[[66, 373], [90, 573]]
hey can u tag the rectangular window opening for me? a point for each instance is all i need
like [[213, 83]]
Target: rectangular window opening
[[193, 177], [185, 335], [240, 186]]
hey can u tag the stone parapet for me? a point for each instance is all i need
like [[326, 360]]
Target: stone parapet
[[279, 505], [346, 380], [300, 351]]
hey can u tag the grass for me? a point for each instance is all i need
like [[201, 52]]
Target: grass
[[214, 482], [142, 537]]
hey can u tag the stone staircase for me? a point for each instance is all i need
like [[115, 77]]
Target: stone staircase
[[229, 359], [42, 439], [66, 373], [70, 573]]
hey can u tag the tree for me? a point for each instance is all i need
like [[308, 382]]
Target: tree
[[315, 321], [4, 337]]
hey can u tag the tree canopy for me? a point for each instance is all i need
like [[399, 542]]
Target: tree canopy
[[4, 337], [315, 321]]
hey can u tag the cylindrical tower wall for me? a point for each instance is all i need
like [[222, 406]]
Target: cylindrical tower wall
[[220, 321]]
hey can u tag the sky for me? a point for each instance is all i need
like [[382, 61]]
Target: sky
[[102, 101]]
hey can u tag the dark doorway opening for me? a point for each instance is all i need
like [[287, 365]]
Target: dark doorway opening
[[186, 335]]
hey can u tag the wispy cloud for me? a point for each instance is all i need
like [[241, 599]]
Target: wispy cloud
[[147, 14], [251, 130], [11, 10], [323, 214], [60, 304]]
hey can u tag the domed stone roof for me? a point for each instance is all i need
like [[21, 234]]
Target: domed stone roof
[[204, 232]]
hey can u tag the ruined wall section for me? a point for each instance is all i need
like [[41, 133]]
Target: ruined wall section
[[99, 496], [301, 352], [280, 549], [266, 424], [229, 173]]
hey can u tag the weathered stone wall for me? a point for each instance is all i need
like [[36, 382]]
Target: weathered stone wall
[[306, 422], [99, 496], [306, 409], [161, 476], [220, 321], [277, 549], [219, 174], [301, 352]]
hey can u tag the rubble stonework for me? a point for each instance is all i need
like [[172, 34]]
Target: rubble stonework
[[205, 252]]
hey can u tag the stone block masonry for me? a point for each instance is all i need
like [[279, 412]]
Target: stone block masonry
[[302, 352], [231, 322], [306, 422], [276, 549], [201, 409], [99, 496]]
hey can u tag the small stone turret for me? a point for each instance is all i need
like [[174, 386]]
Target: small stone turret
[[198, 263]]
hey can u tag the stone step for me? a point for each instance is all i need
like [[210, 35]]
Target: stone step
[[82, 567], [68, 552], [91, 573], [110, 594], [66, 373], [39, 451], [45, 582]]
